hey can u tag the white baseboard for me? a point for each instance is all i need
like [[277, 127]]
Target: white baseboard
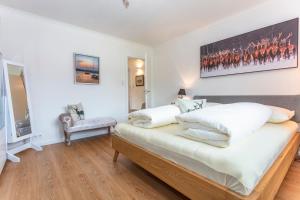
[[42, 142], [74, 136]]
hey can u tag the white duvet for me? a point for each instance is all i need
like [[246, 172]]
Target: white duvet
[[224, 124], [154, 117], [247, 161]]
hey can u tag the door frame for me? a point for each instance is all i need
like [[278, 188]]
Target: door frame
[[146, 90]]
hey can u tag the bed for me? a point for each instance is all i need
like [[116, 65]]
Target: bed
[[179, 161]]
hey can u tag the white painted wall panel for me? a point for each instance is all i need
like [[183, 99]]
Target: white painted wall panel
[[177, 62], [46, 48]]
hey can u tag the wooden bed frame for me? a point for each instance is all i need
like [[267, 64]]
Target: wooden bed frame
[[197, 187]]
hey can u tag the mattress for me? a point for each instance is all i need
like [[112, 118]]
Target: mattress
[[238, 167]]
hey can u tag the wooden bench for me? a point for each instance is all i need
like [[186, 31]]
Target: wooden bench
[[70, 126]]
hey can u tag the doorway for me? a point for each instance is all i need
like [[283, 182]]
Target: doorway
[[136, 84]]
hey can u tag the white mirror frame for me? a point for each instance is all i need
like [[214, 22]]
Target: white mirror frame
[[12, 136], [11, 128]]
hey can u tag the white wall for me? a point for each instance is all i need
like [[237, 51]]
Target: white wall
[[177, 62], [46, 47]]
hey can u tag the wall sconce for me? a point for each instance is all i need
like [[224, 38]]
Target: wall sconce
[[139, 72], [139, 64]]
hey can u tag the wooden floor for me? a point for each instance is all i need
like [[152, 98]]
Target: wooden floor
[[86, 171]]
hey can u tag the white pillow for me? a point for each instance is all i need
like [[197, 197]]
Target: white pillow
[[187, 105], [280, 115], [210, 104]]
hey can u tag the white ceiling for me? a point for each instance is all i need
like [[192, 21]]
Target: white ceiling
[[145, 21]]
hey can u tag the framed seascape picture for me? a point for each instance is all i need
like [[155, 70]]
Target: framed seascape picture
[[87, 69], [270, 48], [139, 80]]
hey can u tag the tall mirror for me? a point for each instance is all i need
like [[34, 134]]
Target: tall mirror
[[18, 112], [19, 115], [19, 100]]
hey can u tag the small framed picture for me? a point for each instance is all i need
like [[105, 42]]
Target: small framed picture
[[87, 69], [139, 80]]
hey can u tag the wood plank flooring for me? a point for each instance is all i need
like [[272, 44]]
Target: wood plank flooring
[[85, 171]]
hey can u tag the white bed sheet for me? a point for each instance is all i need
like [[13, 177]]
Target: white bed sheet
[[259, 150]]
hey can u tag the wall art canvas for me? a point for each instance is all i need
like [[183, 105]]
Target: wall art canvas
[[87, 69], [139, 80], [270, 48]]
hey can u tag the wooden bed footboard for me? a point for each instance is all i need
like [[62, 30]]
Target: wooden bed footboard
[[197, 187]]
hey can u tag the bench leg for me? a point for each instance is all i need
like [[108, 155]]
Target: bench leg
[[116, 156], [68, 138], [108, 129]]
